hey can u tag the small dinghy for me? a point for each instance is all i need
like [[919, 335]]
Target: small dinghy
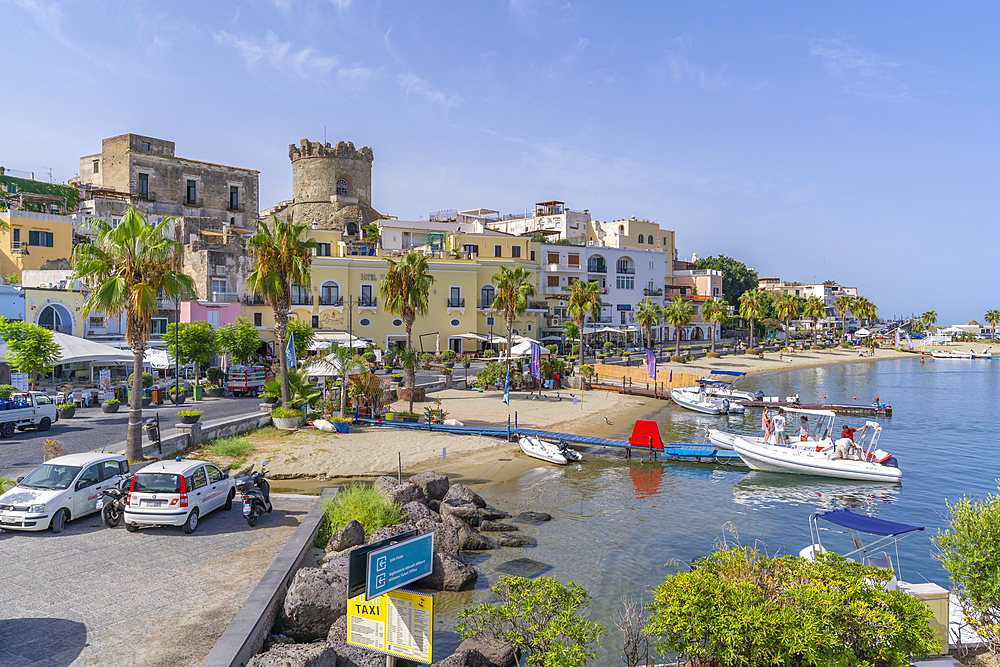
[[726, 440], [570, 453], [540, 449]]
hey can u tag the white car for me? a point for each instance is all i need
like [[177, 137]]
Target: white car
[[177, 493], [61, 489]]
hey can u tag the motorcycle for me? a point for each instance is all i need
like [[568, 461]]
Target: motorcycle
[[111, 504], [256, 493]]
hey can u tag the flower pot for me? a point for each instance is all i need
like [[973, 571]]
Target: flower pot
[[287, 423], [270, 400], [190, 419], [342, 427], [66, 414], [146, 401], [110, 407], [177, 399], [389, 416], [214, 392], [449, 364], [410, 420]]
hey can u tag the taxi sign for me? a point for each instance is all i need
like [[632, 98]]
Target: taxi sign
[[400, 623]]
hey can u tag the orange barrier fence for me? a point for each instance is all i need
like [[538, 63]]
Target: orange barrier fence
[[665, 380]]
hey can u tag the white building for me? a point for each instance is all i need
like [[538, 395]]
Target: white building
[[550, 218]]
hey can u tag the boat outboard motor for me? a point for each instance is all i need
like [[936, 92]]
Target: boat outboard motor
[[759, 395], [891, 462]]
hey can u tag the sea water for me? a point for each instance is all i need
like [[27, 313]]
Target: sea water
[[621, 526]]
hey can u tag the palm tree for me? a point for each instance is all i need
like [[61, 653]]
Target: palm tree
[[347, 363], [752, 308], [843, 305], [678, 314], [715, 312], [648, 315], [814, 310], [929, 319], [865, 309], [282, 258], [992, 316], [513, 288], [787, 308], [128, 268], [584, 300], [404, 290]]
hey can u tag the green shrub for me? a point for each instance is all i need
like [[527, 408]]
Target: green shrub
[[449, 355], [66, 406], [189, 413], [677, 359], [551, 348], [845, 346], [489, 354], [6, 390], [576, 349], [175, 390], [232, 447], [425, 358], [587, 369], [370, 357], [285, 413], [342, 420], [358, 502], [215, 375], [147, 380], [713, 355], [816, 347], [112, 401], [738, 607], [608, 345], [968, 552]]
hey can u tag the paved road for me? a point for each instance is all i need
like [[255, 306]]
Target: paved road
[[91, 430], [158, 597]]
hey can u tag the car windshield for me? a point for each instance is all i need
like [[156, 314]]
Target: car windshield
[[157, 482], [48, 476]]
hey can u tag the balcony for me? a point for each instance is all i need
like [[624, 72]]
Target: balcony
[[254, 300], [18, 247], [299, 300], [456, 303], [225, 297], [367, 302], [597, 268], [553, 268], [485, 304], [626, 272], [337, 301], [538, 306], [653, 292], [166, 304]]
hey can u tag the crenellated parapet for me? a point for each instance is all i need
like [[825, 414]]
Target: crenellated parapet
[[344, 150]]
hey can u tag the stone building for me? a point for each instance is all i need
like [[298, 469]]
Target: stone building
[[331, 186]]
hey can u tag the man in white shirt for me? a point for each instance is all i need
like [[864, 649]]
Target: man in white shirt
[[779, 427]]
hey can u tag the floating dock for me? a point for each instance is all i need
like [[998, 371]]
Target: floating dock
[[840, 408], [692, 453]]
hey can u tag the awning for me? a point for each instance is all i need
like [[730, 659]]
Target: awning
[[325, 339], [472, 336], [158, 358], [866, 524], [76, 350], [525, 349]]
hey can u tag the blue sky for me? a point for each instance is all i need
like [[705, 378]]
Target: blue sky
[[851, 141]]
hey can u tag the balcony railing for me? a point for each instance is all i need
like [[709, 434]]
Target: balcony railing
[[166, 304], [653, 292], [597, 269], [253, 300], [331, 301], [225, 297], [456, 303], [602, 320], [538, 305], [19, 247], [367, 302], [299, 300], [626, 272]]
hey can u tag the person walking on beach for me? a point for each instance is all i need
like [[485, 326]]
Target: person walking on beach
[[765, 425], [779, 428]]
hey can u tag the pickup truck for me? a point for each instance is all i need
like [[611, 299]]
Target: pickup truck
[[246, 380], [39, 411]]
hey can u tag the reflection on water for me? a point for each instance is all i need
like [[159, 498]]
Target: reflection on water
[[766, 490]]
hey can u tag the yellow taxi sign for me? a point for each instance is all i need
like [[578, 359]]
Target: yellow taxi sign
[[399, 623]]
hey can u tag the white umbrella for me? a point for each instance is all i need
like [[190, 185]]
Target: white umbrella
[[75, 350], [523, 339], [862, 332], [472, 336], [494, 339], [525, 349]]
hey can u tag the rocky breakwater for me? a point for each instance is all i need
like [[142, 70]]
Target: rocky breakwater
[[311, 630]]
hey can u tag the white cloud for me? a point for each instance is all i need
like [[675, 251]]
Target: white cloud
[[680, 68], [281, 56], [413, 85], [863, 74]]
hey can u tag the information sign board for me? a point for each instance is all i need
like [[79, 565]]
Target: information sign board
[[400, 623], [399, 564], [357, 562]]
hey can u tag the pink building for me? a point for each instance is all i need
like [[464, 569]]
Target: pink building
[[216, 314]]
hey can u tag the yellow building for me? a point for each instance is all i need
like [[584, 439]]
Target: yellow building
[[344, 294], [632, 234], [56, 309], [31, 239]]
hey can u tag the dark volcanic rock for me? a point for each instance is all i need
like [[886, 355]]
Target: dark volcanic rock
[[349, 655], [492, 513], [351, 535], [338, 631], [495, 650], [461, 509], [435, 486], [319, 654], [464, 659], [495, 526], [315, 599], [468, 539], [449, 574], [533, 518], [434, 505], [462, 492], [446, 537], [386, 532], [404, 493], [508, 540], [415, 511]]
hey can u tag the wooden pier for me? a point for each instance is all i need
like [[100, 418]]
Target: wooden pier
[[852, 409]]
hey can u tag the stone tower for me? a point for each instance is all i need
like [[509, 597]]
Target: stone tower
[[332, 186]]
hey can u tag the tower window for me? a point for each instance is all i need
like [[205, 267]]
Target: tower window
[[640, 239], [97, 166], [145, 147], [341, 187], [192, 193], [234, 198]]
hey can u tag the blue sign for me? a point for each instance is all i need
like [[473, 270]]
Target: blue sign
[[624, 306], [399, 564]]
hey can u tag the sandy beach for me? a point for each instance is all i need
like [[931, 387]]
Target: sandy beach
[[310, 460]]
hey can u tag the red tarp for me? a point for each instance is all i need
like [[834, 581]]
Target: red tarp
[[645, 434]]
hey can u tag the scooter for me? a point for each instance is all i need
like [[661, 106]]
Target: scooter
[[111, 504], [256, 493]]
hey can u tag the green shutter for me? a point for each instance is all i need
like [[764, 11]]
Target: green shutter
[[51, 238], [32, 238]]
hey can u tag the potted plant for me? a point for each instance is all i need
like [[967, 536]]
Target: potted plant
[[287, 419], [448, 356], [342, 424], [216, 376], [425, 360], [436, 415], [396, 377], [176, 395], [189, 416], [109, 406], [66, 410], [410, 417]]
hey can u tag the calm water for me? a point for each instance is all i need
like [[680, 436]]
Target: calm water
[[619, 525]]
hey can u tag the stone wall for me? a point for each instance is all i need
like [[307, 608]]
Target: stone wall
[[316, 167], [218, 253], [188, 435]]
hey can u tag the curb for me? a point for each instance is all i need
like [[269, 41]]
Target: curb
[[245, 634]]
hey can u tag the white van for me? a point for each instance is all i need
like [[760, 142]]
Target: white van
[[177, 493], [61, 489]]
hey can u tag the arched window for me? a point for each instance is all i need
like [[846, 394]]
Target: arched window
[[621, 229], [341, 187], [486, 296], [55, 318], [329, 294], [624, 265], [640, 239], [352, 229]]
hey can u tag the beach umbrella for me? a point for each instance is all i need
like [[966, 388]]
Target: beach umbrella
[[862, 333], [525, 348]]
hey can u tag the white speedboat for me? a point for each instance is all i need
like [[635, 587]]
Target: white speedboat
[[696, 398], [540, 449], [725, 440], [951, 354], [865, 461], [728, 389]]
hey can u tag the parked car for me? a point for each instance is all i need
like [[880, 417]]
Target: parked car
[[177, 493], [28, 409], [59, 490]]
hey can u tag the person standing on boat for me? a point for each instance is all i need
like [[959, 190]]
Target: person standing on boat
[[765, 425], [804, 428], [845, 445], [779, 428]]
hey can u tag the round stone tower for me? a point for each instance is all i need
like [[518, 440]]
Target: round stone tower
[[332, 185]]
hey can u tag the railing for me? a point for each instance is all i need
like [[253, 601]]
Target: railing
[[254, 300], [331, 301], [485, 304], [626, 272], [456, 303], [225, 297], [19, 247], [367, 302], [166, 304], [602, 320], [596, 269], [538, 305], [301, 300], [653, 292]]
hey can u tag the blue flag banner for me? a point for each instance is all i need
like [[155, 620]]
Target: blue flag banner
[[671, 379], [897, 337], [909, 341], [536, 361], [651, 363], [290, 351], [506, 387]]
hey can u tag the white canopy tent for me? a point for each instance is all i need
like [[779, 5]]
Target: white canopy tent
[[861, 333], [472, 336], [524, 349], [327, 339]]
